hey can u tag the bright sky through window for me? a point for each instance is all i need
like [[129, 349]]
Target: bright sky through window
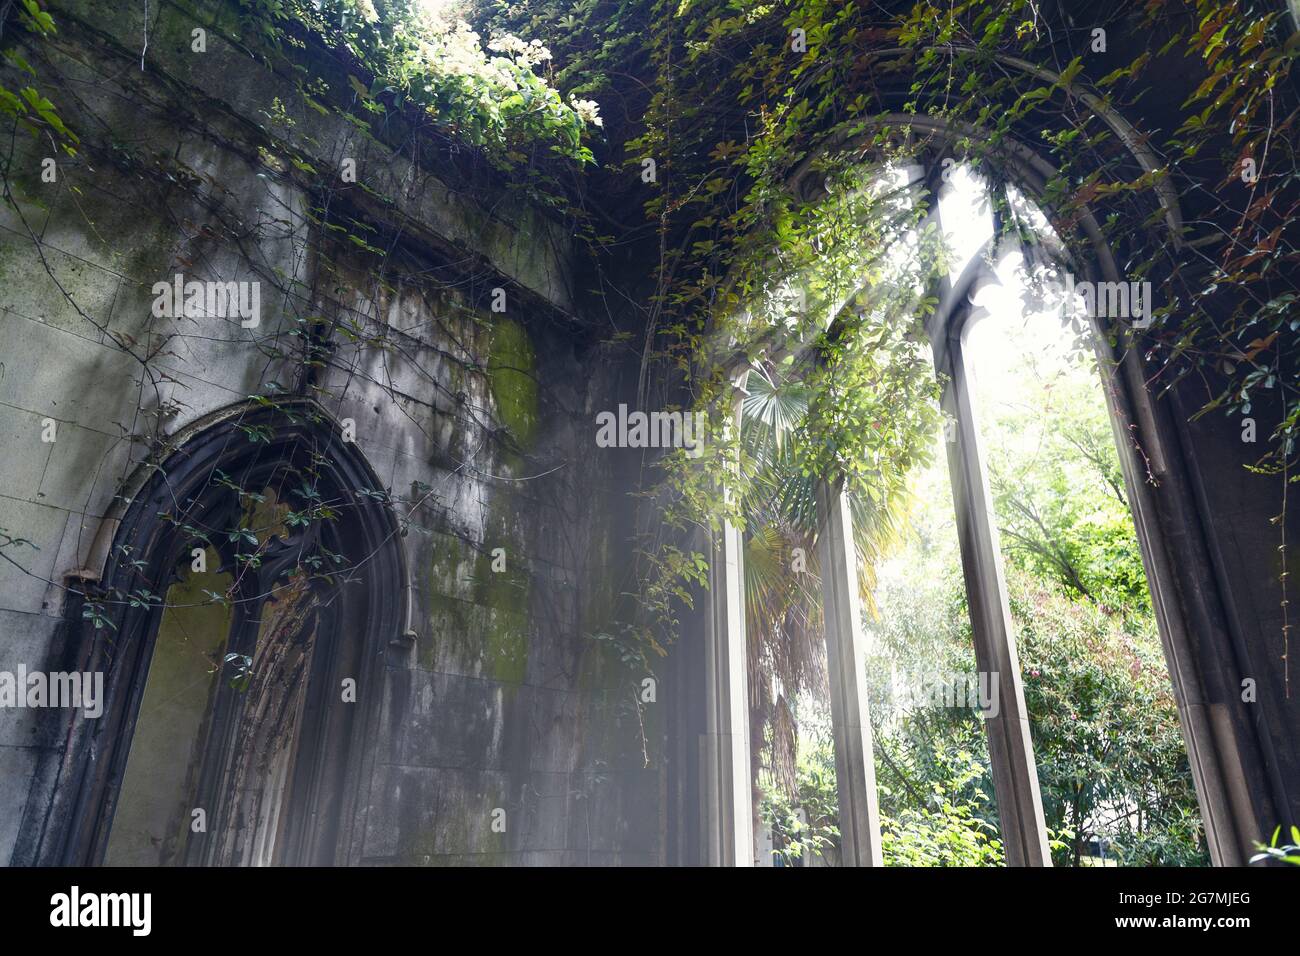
[[968, 224]]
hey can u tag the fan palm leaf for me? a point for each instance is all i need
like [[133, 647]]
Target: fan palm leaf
[[783, 608]]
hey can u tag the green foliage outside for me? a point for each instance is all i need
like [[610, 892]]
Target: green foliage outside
[[1111, 762]]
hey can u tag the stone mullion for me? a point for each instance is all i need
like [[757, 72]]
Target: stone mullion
[[855, 771]]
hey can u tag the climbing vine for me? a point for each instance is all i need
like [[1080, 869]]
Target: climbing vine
[[746, 104], [410, 77], [738, 145], [485, 92]]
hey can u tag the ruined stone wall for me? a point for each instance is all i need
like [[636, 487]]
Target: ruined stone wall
[[376, 303]]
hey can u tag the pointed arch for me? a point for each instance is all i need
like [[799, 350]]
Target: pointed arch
[[315, 602]]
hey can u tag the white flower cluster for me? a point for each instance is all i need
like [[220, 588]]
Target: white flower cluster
[[367, 10], [455, 53], [526, 53], [588, 111]]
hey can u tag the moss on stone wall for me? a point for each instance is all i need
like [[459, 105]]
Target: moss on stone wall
[[506, 593], [462, 834], [511, 364], [480, 614]]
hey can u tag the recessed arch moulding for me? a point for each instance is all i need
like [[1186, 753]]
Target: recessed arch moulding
[[1244, 766]]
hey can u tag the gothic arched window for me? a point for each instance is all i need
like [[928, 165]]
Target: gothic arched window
[[249, 596]]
